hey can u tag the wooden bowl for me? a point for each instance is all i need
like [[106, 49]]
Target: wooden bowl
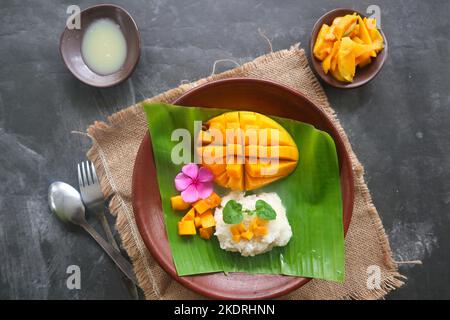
[[362, 75], [241, 93], [70, 45]]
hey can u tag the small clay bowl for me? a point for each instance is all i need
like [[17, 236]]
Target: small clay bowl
[[70, 45], [362, 75]]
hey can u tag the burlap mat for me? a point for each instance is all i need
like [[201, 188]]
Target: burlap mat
[[114, 149]]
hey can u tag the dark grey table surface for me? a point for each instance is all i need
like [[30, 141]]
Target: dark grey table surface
[[398, 125]]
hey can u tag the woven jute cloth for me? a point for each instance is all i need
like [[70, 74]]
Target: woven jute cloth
[[114, 147]]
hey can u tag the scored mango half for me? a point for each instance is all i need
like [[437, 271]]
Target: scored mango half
[[350, 42], [246, 150]]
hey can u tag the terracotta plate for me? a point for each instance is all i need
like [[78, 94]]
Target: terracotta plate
[[241, 94]]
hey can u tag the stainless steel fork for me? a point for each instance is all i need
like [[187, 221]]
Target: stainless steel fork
[[92, 196]]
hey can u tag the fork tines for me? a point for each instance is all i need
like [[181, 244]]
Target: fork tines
[[86, 174]]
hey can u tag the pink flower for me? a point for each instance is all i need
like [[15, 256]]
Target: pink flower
[[194, 183]]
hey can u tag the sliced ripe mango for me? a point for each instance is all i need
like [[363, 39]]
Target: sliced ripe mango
[[261, 222], [345, 26], [355, 32], [178, 203], [237, 228], [326, 64], [335, 73], [213, 200], [207, 219], [215, 168], [260, 231], [346, 59], [280, 152], [252, 183], [247, 118], [333, 65], [363, 60], [197, 222], [235, 150], [247, 235], [236, 237], [357, 40], [371, 23], [235, 170], [190, 215], [322, 46], [231, 117], [236, 183], [201, 206], [282, 168], [271, 141], [377, 40], [204, 137], [222, 179], [342, 59], [186, 228], [218, 120], [206, 233], [363, 32]]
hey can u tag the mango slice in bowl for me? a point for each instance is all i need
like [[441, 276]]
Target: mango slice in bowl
[[349, 42]]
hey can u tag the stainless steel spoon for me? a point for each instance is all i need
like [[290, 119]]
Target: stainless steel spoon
[[65, 202]]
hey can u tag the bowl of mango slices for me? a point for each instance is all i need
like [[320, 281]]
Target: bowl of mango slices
[[347, 48]]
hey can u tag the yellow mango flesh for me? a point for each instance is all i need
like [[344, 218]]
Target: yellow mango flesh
[[207, 219], [349, 42], [326, 64], [346, 59], [178, 203], [322, 46], [190, 215], [206, 233], [186, 228], [256, 160]]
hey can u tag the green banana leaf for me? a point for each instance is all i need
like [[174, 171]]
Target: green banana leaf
[[311, 195]]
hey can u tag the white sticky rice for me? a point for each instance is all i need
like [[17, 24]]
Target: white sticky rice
[[279, 230]]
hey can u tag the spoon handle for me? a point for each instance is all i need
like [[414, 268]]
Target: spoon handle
[[115, 255]]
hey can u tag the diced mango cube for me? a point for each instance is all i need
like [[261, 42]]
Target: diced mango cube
[[190, 215], [206, 233], [236, 238], [261, 222], [201, 206], [207, 219], [178, 203], [186, 228], [213, 200], [237, 229], [247, 235], [197, 222], [260, 231], [253, 225]]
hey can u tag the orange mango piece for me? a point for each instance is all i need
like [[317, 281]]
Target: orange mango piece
[[322, 47], [186, 228], [178, 203], [213, 200], [207, 219], [247, 235], [197, 222], [206, 233], [326, 64], [190, 215], [201, 206], [260, 231]]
